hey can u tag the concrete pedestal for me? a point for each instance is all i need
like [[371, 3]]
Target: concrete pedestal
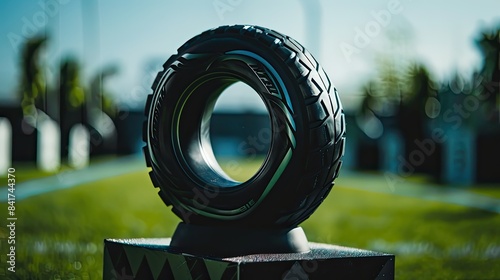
[[153, 259]]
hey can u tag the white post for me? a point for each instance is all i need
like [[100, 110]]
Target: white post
[[79, 146], [5, 146], [49, 145]]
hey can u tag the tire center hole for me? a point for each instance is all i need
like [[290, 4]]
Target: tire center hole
[[240, 131]]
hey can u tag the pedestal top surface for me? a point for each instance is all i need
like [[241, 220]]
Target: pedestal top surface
[[318, 251]]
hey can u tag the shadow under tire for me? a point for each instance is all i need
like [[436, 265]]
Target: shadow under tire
[[307, 129]]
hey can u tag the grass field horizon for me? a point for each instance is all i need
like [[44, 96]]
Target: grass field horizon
[[60, 234]]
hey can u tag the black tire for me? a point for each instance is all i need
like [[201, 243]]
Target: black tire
[[307, 123]]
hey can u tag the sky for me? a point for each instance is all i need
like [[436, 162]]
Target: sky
[[346, 37]]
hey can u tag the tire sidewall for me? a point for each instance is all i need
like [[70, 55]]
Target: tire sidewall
[[199, 195]]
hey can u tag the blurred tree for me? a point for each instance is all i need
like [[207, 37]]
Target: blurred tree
[[419, 87], [33, 86], [71, 91], [99, 97], [418, 90], [72, 101], [398, 100], [390, 86], [489, 45], [367, 104], [367, 119], [392, 60], [101, 110], [399, 92], [487, 116]]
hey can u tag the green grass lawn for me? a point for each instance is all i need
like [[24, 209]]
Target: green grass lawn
[[60, 235], [489, 190], [26, 171]]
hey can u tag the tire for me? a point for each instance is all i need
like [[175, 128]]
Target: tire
[[307, 123]]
